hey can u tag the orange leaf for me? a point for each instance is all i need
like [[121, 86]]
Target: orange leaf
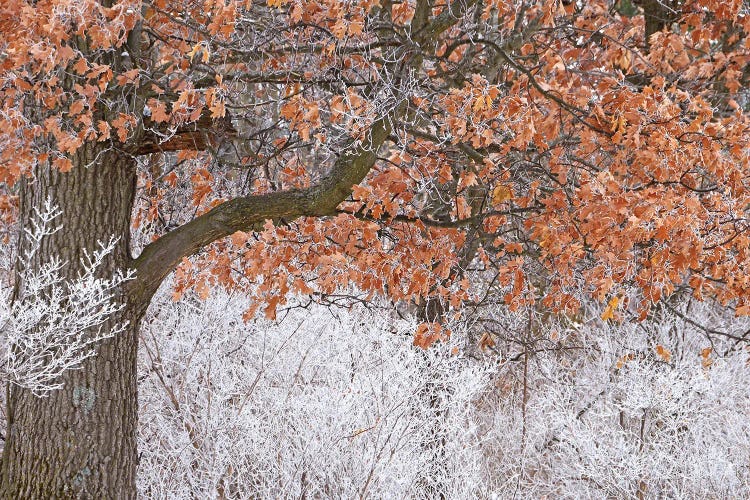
[[486, 342], [103, 128], [664, 353], [501, 194], [63, 164], [427, 334], [159, 113], [609, 312], [76, 107]]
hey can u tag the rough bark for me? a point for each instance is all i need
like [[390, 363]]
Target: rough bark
[[80, 441]]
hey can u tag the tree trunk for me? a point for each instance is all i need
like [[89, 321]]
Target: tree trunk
[[80, 441]]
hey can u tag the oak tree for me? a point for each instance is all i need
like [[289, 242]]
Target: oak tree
[[332, 147]]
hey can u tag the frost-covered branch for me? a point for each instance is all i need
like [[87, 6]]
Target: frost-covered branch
[[52, 325]]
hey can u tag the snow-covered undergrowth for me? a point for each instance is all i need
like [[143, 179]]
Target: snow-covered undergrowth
[[322, 405], [638, 410], [339, 404]]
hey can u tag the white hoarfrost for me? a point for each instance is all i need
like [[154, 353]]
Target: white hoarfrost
[[52, 325], [324, 404], [339, 404], [639, 410]]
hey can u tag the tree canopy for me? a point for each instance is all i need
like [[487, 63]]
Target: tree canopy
[[393, 143]]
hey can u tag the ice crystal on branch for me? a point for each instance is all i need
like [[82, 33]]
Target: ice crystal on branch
[[49, 324]]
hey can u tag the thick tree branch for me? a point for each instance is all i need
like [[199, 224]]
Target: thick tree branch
[[159, 258], [198, 135]]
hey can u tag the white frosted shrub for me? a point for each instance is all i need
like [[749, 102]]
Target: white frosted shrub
[[50, 325], [598, 425], [339, 404], [326, 405]]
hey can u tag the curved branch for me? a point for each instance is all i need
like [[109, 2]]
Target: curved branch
[[248, 213], [159, 258]]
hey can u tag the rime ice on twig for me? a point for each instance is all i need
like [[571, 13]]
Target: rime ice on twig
[[53, 325]]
